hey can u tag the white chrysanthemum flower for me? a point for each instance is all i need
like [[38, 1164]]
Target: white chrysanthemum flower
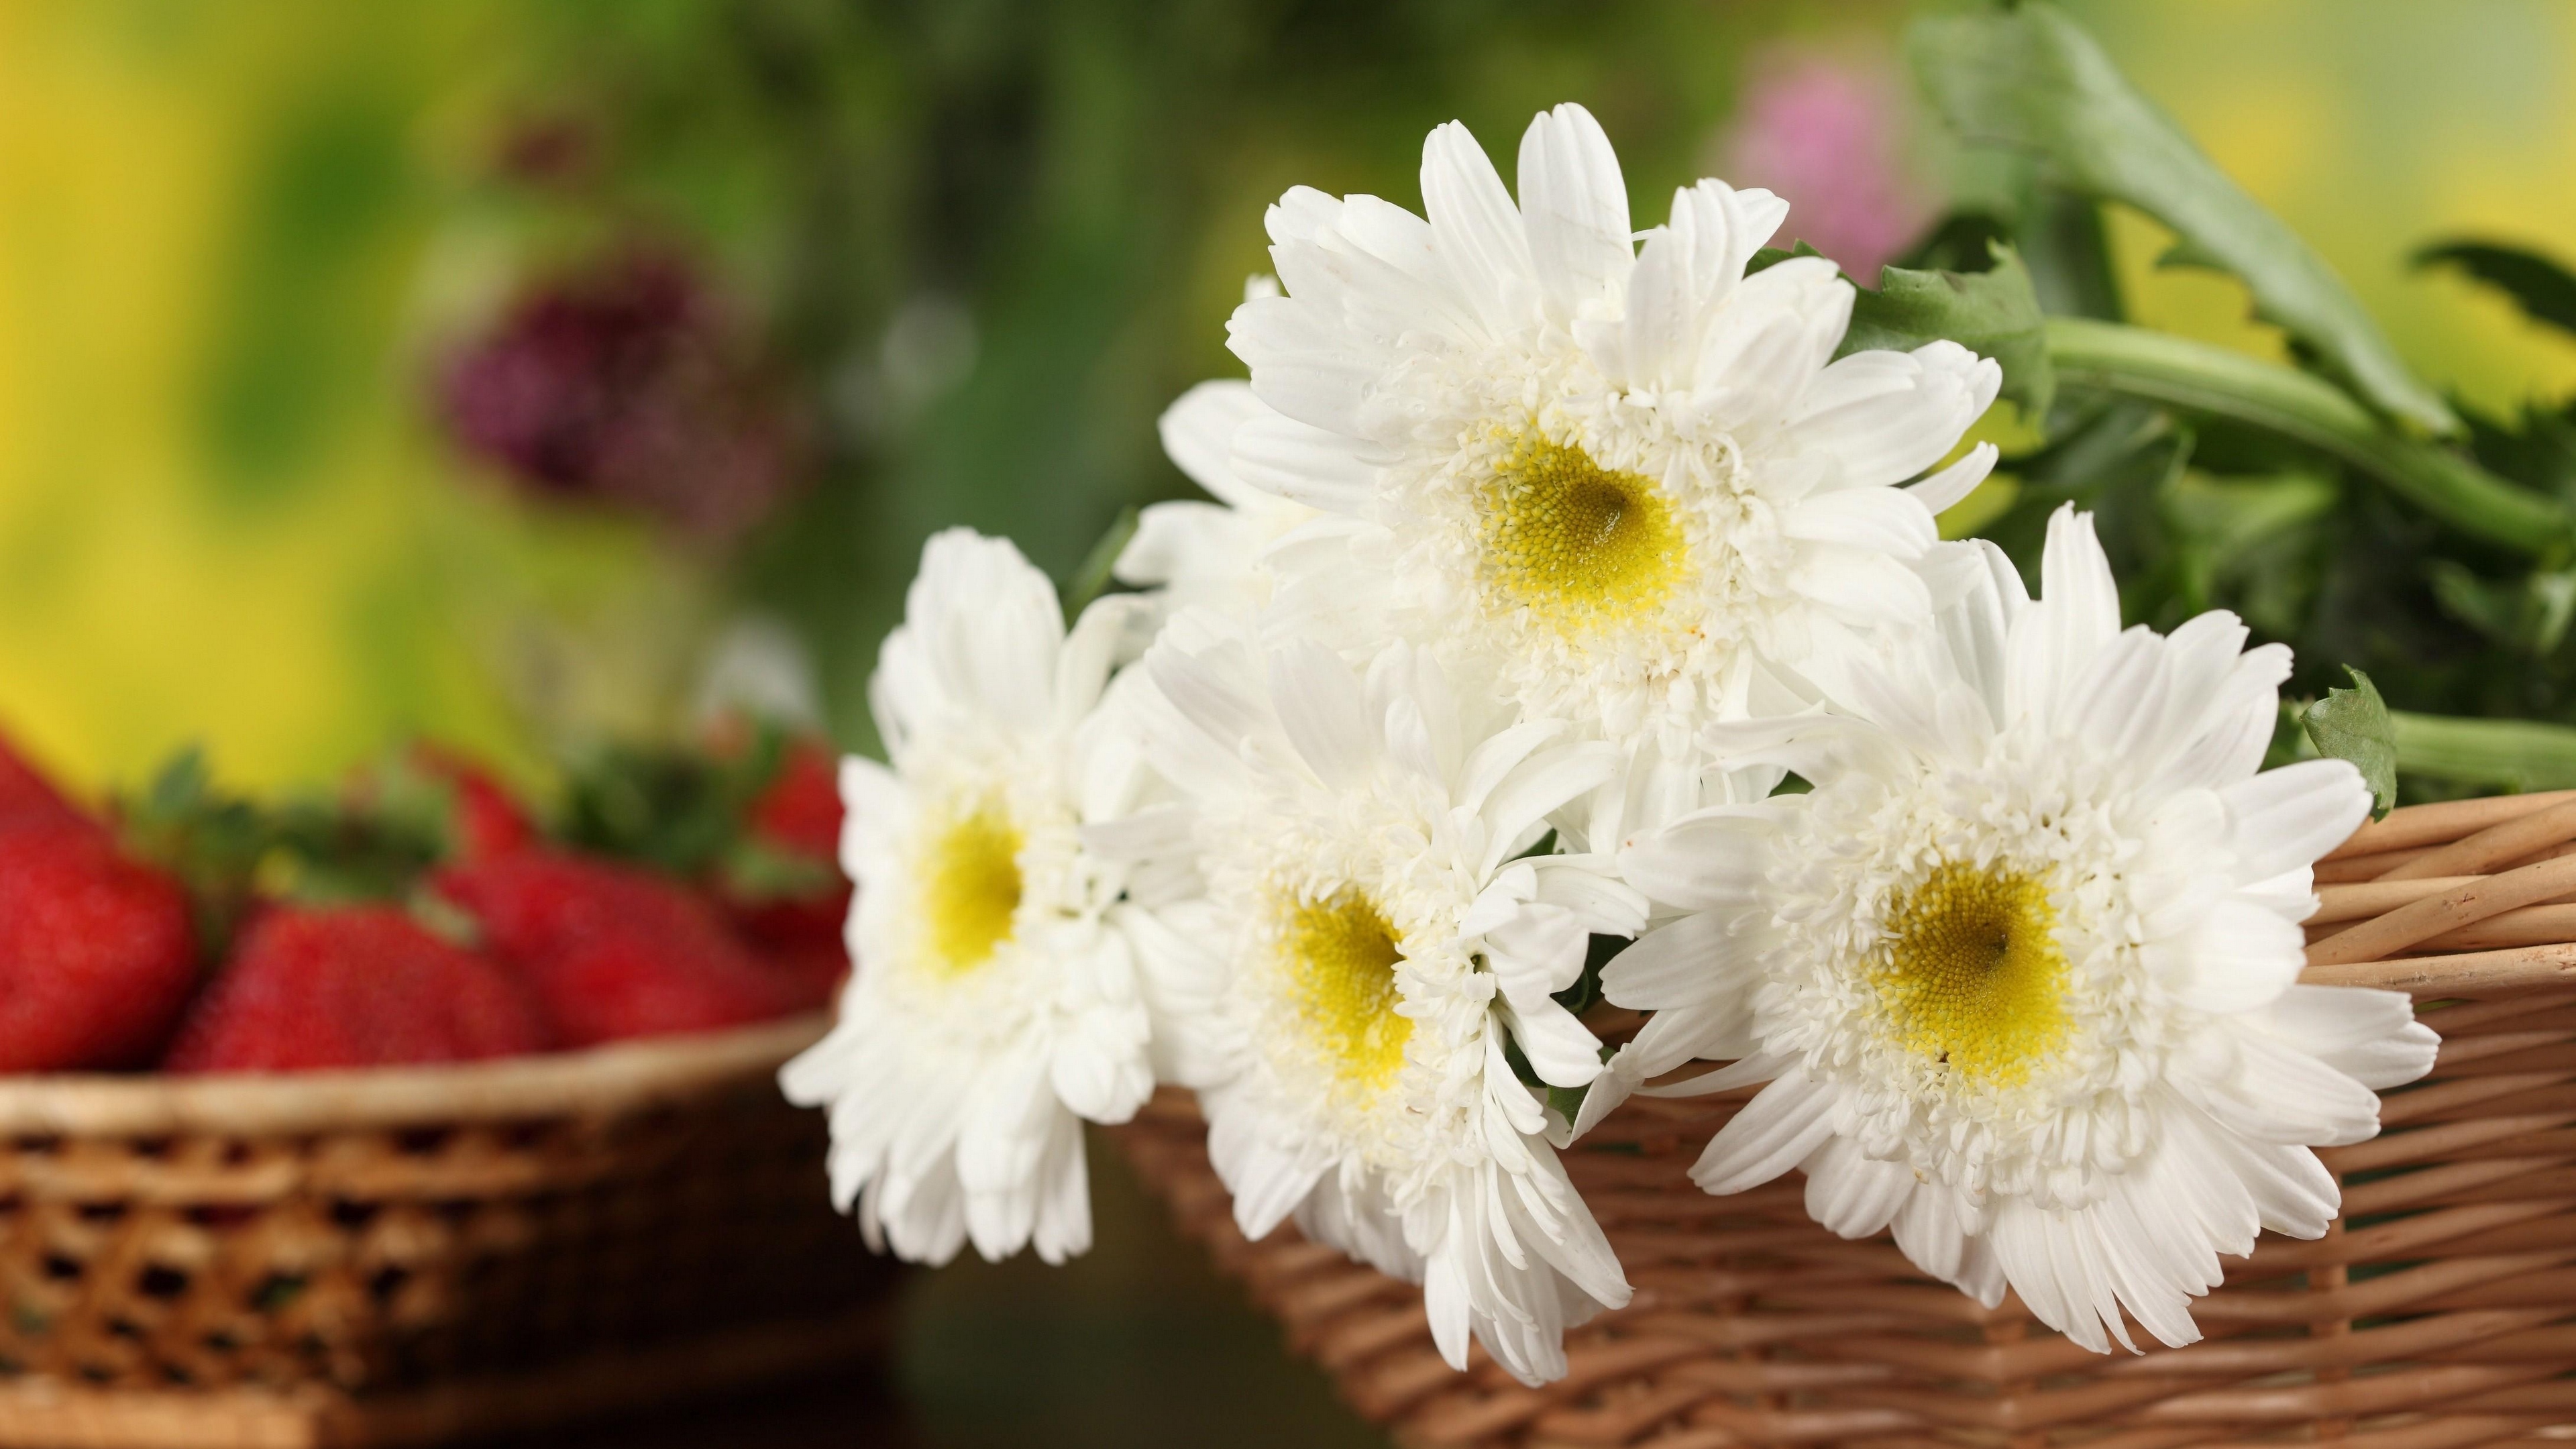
[[1615, 478], [1209, 554], [996, 1004], [2021, 971], [1377, 940]]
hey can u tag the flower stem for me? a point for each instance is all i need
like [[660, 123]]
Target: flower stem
[[2517, 754], [2203, 378]]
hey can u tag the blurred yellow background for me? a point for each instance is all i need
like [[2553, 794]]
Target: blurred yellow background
[[228, 231]]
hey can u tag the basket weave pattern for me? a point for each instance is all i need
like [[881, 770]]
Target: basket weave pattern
[[371, 1234], [2440, 1311]]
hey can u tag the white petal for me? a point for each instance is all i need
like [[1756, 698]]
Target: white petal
[[1704, 861], [1726, 227], [1198, 433], [1539, 786], [1978, 628], [2078, 612], [1063, 1228], [1444, 1299], [1928, 1232], [2278, 1093], [1325, 713], [1588, 885], [1721, 1030], [1558, 1047], [2237, 958], [1171, 537], [1574, 211], [1940, 492], [1537, 952], [1860, 587], [2237, 728], [2370, 1036], [1853, 1195], [1883, 520], [1772, 337], [1685, 963], [987, 626], [1302, 367], [1776, 1131], [1885, 416], [1490, 762], [1112, 630], [1476, 229], [1305, 464], [1267, 1183], [2286, 818]]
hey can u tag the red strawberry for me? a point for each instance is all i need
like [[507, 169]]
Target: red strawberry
[[800, 811], [352, 986], [799, 817], [448, 797], [97, 953], [614, 951], [24, 790], [487, 820]]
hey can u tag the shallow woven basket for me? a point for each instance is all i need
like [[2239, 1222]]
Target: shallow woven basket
[[2440, 1311], [404, 1256]]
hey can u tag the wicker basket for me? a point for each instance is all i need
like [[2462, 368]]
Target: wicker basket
[[2439, 1312], [403, 1256]]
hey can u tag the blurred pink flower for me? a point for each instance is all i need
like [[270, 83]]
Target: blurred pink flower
[[631, 386], [1827, 132]]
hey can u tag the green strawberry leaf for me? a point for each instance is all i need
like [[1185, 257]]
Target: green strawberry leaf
[[211, 841], [2030, 79], [754, 871], [677, 808], [325, 852], [2353, 724]]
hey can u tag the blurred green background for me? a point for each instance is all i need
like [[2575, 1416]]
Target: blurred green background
[[940, 262], [978, 245]]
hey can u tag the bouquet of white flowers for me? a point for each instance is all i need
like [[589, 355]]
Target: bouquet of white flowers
[[1574, 626]]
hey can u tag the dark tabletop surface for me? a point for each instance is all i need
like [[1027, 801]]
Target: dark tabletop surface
[[1139, 1344]]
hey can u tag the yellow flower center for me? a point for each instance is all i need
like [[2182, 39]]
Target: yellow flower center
[[1575, 543], [1974, 977], [1341, 962], [973, 888]]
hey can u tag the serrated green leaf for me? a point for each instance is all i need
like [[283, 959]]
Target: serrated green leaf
[[1765, 258], [2353, 724], [1993, 313], [2544, 290], [2032, 80]]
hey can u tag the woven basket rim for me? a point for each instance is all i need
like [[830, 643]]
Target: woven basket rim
[[618, 1076]]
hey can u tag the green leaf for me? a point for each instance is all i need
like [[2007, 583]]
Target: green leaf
[[212, 841], [1092, 579], [1568, 1101], [2544, 290], [2536, 449], [2353, 724], [1993, 313], [2202, 377], [2032, 80], [673, 807], [1765, 258]]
